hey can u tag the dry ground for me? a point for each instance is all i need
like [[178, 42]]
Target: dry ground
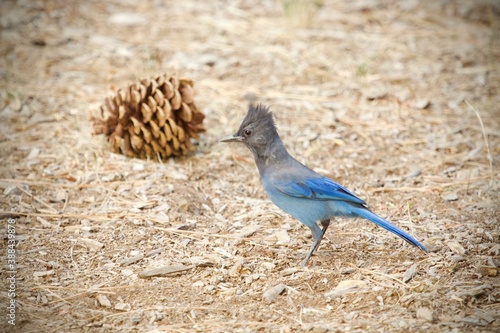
[[385, 97]]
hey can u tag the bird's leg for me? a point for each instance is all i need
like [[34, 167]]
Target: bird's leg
[[317, 236], [325, 224]]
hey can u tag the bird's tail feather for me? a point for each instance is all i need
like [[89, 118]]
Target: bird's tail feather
[[367, 214]]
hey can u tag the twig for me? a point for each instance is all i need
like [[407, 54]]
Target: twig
[[75, 185], [298, 321], [36, 199], [381, 274], [34, 250], [356, 129], [489, 157], [103, 217], [66, 200], [405, 189], [92, 289]]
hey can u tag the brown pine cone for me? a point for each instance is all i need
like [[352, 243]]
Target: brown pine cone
[[153, 118]]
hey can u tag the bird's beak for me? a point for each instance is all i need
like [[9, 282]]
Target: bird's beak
[[232, 138]]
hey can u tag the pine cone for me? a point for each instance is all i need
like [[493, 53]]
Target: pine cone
[[151, 118]]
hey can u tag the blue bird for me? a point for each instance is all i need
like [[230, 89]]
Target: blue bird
[[296, 189]]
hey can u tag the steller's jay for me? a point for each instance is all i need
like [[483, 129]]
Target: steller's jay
[[296, 189]]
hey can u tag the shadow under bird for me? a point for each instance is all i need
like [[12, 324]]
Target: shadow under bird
[[296, 189]]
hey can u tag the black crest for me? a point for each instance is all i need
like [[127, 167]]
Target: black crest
[[259, 116]]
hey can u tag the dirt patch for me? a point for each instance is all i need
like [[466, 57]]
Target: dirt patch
[[398, 101]]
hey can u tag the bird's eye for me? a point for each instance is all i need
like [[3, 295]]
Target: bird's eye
[[247, 132]]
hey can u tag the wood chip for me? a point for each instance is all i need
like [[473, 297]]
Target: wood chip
[[425, 314], [422, 104], [162, 271], [248, 231], [236, 269], [128, 19], [122, 307], [43, 273], [289, 271], [155, 252], [91, 244], [283, 237], [271, 294], [456, 247], [488, 317], [136, 317], [103, 301], [453, 196], [474, 291], [199, 261], [346, 287], [35, 151], [410, 273], [131, 260], [45, 223]]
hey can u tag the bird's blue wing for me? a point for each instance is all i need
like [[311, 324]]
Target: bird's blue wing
[[295, 189], [318, 188]]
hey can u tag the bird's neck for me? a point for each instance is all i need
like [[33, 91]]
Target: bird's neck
[[274, 154]]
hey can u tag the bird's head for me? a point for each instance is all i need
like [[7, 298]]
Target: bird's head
[[257, 130]]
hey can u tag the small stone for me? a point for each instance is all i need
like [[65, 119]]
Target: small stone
[[138, 167], [108, 266], [268, 266], [422, 104], [271, 294], [35, 151], [347, 284], [283, 237], [128, 19], [425, 314], [247, 232], [136, 317], [127, 272], [122, 307], [414, 172], [375, 93], [60, 196], [492, 271], [289, 271], [457, 258], [453, 196]]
